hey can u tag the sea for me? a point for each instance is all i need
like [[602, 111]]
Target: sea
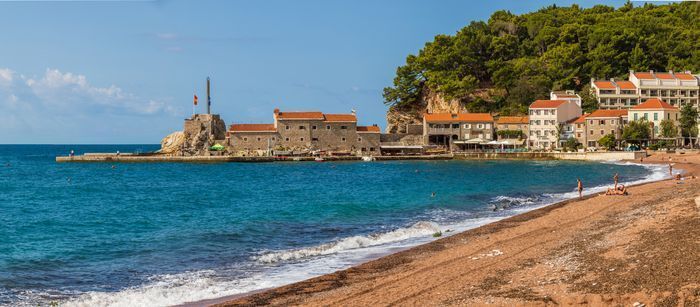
[[161, 234]]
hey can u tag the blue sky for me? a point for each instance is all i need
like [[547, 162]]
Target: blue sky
[[125, 71]]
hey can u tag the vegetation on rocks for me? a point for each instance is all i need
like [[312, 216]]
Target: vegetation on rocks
[[520, 58]]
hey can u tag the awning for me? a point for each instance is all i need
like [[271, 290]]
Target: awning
[[511, 142], [217, 147]]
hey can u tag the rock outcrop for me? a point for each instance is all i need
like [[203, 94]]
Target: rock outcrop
[[173, 143], [430, 101], [201, 131]]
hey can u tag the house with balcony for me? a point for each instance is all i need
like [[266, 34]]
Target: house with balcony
[[675, 88], [548, 119], [458, 131], [655, 110]]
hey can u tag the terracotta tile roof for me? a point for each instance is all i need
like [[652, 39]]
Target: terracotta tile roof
[[684, 76], [654, 104], [300, 115], [644, 75], [626, 85], [604, 85], [608, 113], [546, 104], [581, 119], [252, 128], [369, 129], [459, 117], [665, 75], [340, 118], [513, 120]]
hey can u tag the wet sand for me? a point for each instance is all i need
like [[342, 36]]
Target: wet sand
[[602, 250]]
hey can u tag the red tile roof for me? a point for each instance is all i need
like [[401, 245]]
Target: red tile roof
[[665, 75], [252, 128], [300, 115], [340, 117], [608, 113], [644, 75], [654, 104], [369, 129], [458, 117], [546, 104], [604, 85], [684, 76], [513, 120], [626, 85], [581, 119]]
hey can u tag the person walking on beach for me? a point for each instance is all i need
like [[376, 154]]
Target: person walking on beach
[[670, 168], [579, 187], [616, 178]]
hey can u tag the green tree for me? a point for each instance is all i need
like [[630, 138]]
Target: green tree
[[608, 141], [571, 144], [689, 121], [668, 129], [636, 131]]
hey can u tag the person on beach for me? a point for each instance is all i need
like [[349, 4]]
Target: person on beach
[[579, 187], [72, 153], [621, 190], [670, 169], [616, 178]]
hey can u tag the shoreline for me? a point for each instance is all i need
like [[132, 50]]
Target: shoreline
[[297, 293]]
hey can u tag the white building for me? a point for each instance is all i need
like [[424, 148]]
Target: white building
[[548, 118], [676, 88], [565, 95]]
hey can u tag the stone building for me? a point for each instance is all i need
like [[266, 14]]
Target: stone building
[[547, 119], [655, 110], [601, 123], [565, 95], [676, 88], [457, 131], [507, 128], [200, 132], [305, 133]]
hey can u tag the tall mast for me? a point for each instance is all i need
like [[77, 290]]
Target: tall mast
[[208, 96]]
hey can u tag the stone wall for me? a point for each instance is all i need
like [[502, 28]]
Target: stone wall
[[201, 131]]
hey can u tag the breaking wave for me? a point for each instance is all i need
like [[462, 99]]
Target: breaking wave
[[419, 229]]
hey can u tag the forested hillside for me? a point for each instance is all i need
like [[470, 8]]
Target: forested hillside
[[502, 65]]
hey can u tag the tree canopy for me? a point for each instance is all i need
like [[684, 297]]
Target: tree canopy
[[636, 131], [526, 56]]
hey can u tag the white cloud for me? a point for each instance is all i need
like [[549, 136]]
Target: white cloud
[[65, 107], [63, 91]]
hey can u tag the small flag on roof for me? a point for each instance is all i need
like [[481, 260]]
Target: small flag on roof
[[195, 99]]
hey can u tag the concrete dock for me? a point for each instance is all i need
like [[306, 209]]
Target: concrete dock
[[586, 156]]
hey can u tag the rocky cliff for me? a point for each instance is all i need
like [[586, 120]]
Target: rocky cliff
[[430, 102], [172, 144]]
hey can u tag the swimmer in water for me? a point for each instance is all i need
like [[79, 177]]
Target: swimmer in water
[[432, 195]]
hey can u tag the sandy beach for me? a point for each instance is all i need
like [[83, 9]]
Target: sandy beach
[[602, 250]]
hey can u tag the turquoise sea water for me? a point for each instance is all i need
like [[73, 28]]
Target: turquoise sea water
[[165, 233]]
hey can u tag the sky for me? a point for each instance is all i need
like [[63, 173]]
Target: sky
[[125, 72]]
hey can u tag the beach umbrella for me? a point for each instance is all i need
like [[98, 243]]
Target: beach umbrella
[[217, 147]]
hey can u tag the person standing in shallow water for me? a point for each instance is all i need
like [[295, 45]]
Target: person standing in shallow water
[[616, 178], [579, 187]]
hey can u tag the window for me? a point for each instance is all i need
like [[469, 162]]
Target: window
[[636, 117], [301, 139], [455, 126], [602, 122], [314, 139], [668, 115], [286, 139], [578, 134], [328, 127], [343, 139], [273, 138], [363, 149], [302, 127], [602, 132], [467, 126], [286, 127], [646, 115], [554, 112], [591, 132], [359, 139], [245, 139], [656, 116], [313, 127], [371, 149], [344, 127], [258, 139], [480, 126]]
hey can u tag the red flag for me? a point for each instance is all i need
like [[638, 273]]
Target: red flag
[[195, 99]]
